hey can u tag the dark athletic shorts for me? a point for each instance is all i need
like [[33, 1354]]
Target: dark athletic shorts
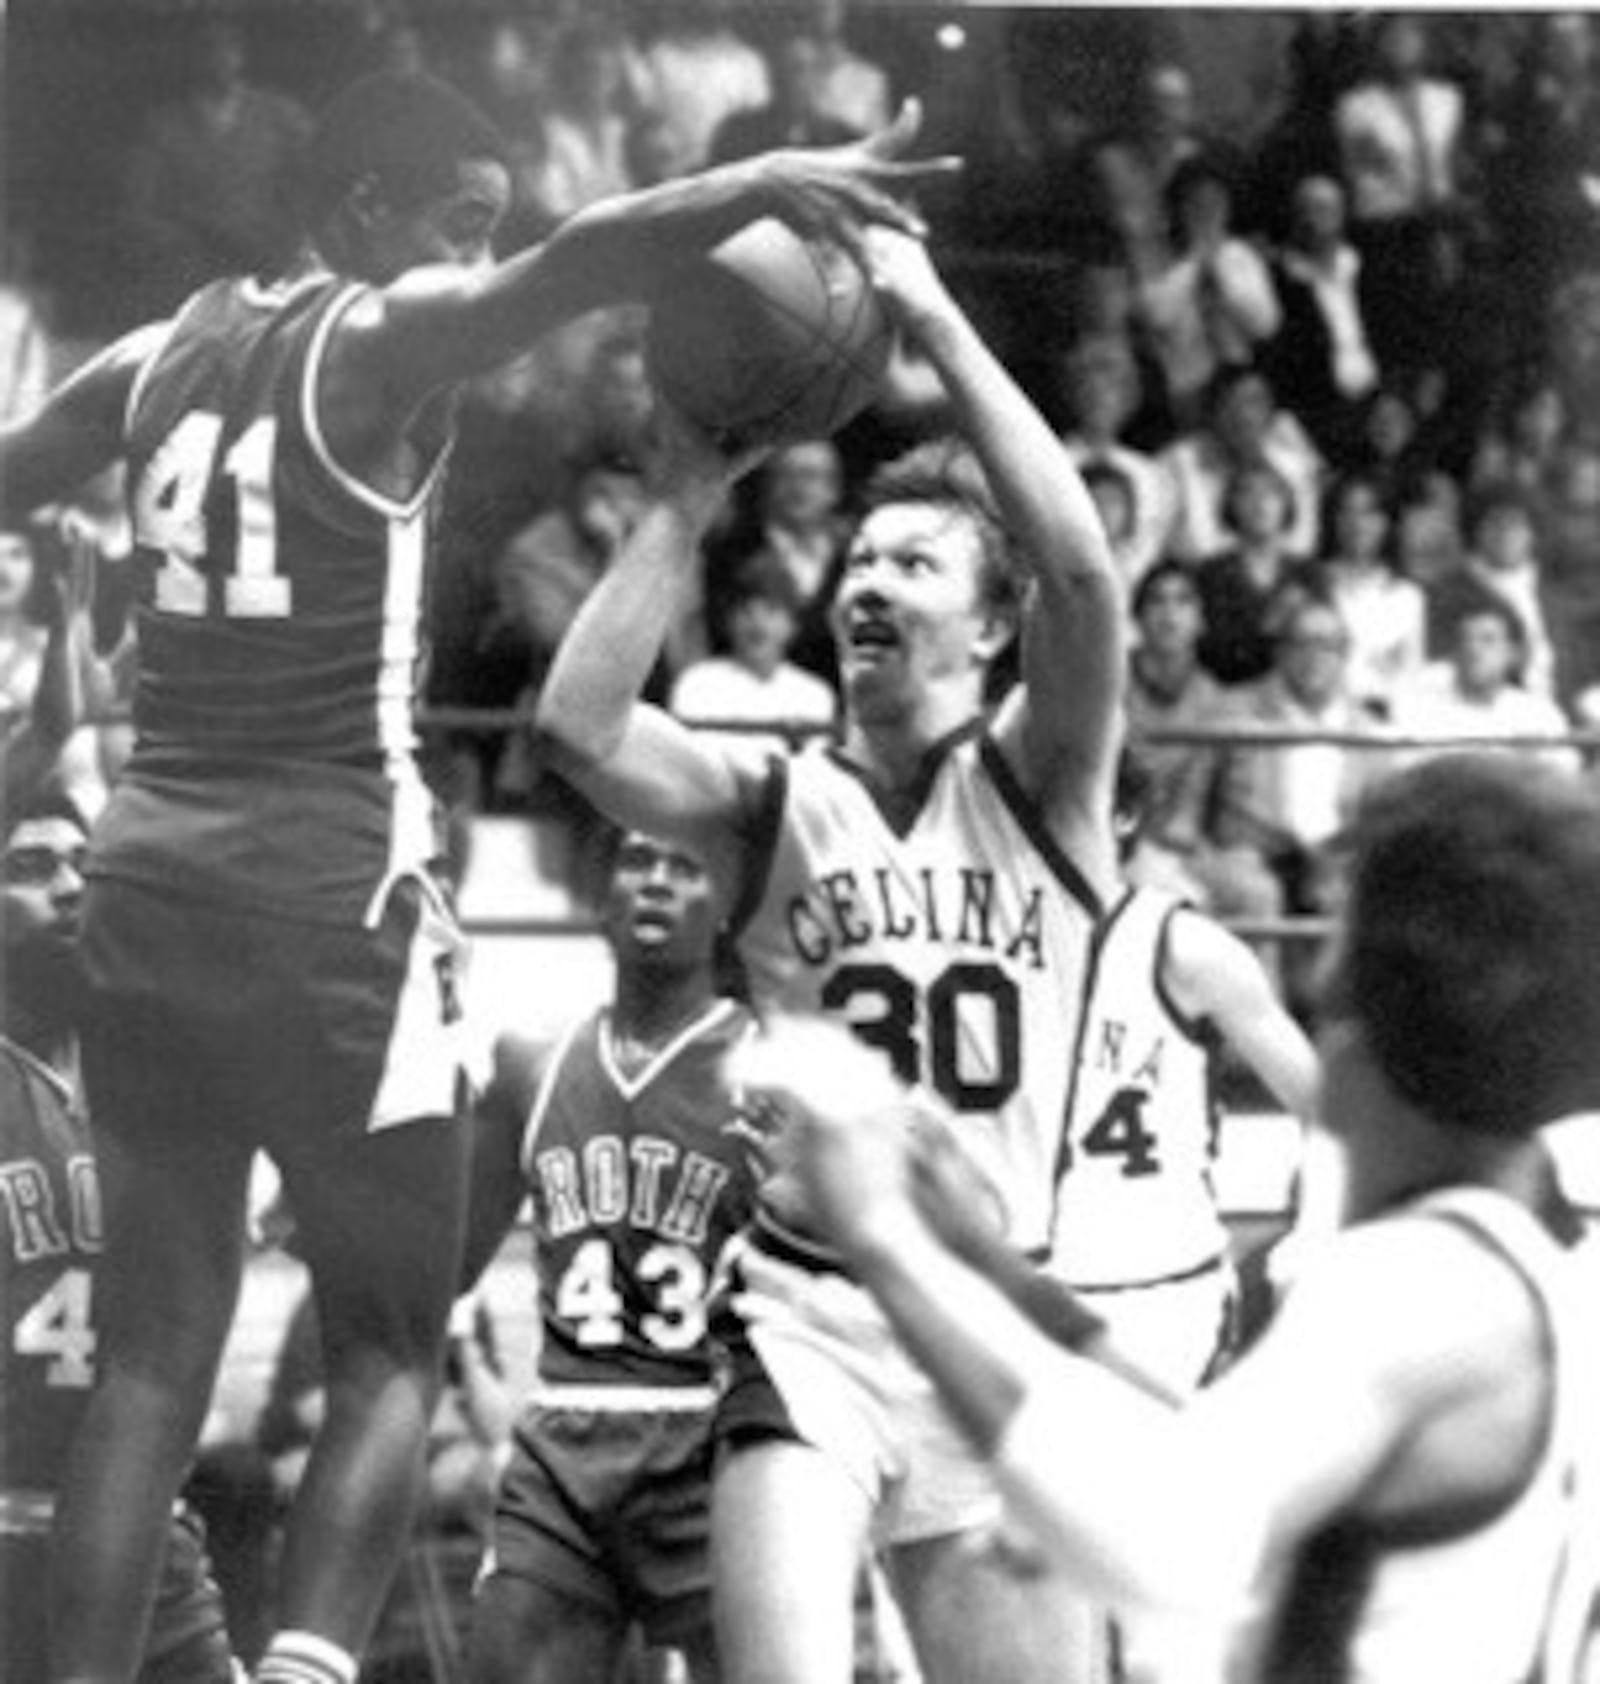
[[612, 1507], [205, 1020]]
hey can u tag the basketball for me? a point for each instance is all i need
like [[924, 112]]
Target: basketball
[[772, 338]]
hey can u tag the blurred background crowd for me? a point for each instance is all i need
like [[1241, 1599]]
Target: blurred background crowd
[[1315, 295]]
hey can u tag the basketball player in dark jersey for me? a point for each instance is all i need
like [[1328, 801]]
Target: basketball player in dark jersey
[[51, 1233], [1401, 1479], [622, 1135], [271, 956]]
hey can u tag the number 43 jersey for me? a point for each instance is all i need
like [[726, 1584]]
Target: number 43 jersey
[[280, 604], [945, 927], [636, 1186]]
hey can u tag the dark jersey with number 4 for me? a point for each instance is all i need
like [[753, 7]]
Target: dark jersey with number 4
[[50, 1231], [280, 609], [637, 1187]]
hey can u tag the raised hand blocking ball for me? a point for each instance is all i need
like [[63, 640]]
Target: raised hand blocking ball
[[772, 338]]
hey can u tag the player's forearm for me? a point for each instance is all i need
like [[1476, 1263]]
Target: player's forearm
[[1098, 1470], [1042, 497], [606, 657], [1110, 1486], [626, 245], [958, 1326]]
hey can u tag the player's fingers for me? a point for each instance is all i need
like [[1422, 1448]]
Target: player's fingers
[[901, 132]]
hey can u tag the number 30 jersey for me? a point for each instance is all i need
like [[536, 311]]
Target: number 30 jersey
[[636, 1187], [951, 932], [280, 606]]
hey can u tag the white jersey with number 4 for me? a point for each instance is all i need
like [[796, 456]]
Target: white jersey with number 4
[[1135, 1201], [947, 928]]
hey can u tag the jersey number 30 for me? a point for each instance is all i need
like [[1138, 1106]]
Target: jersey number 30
[[172, 506], [970, 1050]]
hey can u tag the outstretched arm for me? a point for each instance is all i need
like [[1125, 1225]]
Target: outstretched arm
[[1062, 727], [1170, 1508], [436, 326], [1212, 974], [644, 769], [77, 431]]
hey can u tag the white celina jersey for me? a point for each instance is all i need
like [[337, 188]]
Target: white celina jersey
[[946, 928]]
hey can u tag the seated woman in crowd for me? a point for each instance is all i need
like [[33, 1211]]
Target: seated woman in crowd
[[1385, 612]]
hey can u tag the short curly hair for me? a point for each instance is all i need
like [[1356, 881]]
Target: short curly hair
[[407, 131], [1470, 950]]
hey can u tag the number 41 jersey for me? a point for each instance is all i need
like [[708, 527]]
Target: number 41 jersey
[[954, 934], [280, 607], [636, 1187]]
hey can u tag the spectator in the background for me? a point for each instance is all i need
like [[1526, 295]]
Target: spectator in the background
[[1204, 294], [1243, 588], [851, 88], [1394, 443], [1277, 810], [1321, 358], [206, 185], [43, 729], [751, 680], [537, 580], [1476, 691], [504, 65], [1502, 559], [1169, 690], [1100, 391], [25, 342], [794, 510], [544, 573], [22, 633], [1429, 523], [1548, 204], [1521, 438], [695, 69], [1244, 426], [616, 402], [1385, 613], [794, 115], [1401, 131], [1571, 537], [1130, 170], [581, 146]]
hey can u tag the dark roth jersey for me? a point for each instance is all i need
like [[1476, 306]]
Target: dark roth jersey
[[636, 1189], [50, 1233]]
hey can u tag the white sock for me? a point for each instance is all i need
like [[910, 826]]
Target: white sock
[[300, 1657]]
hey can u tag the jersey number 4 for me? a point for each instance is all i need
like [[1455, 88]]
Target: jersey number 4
[[57, 1326], [171, 515], [588, 1297], [1120, 1131]]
